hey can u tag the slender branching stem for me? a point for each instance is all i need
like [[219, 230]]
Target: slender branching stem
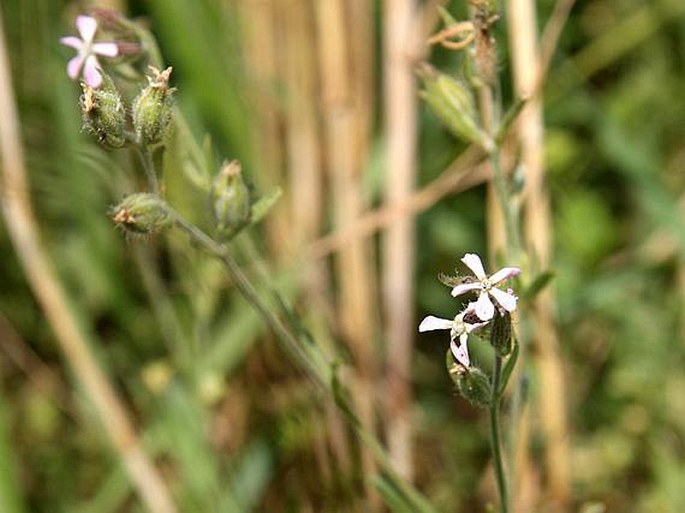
[[307, 356], [495, 440], [294, 346]]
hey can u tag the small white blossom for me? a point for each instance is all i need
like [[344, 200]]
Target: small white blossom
[[86, 59], [484, 308], [459, 332]]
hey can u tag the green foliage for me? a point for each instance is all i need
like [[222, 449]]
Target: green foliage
[[227, 418]]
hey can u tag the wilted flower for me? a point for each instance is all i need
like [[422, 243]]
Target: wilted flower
[[86, 59], [459, 327], [484, 308]]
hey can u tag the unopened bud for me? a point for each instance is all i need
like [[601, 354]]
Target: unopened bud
[[453, 103], [230, 200], [500, 334], [103, 113], [471, 382], [152, 108], [142, 213]]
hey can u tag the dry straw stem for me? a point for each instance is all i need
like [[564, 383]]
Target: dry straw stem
[[261, 39], [465, 172], [345, 36], [400, 37], [23, 231], [530, 131]]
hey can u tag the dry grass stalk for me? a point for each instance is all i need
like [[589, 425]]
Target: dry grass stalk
[[23, 230], [530, 131], [464, 172], [260, 39], [344, 29], [400, 112]]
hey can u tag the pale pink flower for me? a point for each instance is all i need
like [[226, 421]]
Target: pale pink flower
[[86, 61], [484, 308], [459, 327]]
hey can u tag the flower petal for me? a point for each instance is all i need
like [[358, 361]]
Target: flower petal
[[473, 262], [461, 353], [464, 288], [74, 67], [87, 26], [504, 274], [431, 323], [106, 49], [91, 72], [485, 310], [72, 41], [507, 300]]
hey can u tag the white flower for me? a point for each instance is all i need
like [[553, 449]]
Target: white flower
[[86, 59], [484, 308], [459, 330]]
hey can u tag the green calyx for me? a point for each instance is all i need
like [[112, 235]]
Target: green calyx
[[152, 108], [231, 202], [103, 113], [142, 213]]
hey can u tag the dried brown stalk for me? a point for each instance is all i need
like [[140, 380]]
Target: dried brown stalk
[[530, 131], [345, 34], [400, 112]]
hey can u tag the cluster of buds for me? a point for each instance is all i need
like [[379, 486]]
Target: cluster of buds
[[492, 308], [102, 108], [450, 98]]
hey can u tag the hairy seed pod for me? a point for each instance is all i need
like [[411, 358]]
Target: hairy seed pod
[[152, 108], [103, 113], [142, 213]]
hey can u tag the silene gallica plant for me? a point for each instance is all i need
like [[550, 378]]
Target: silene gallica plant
[[128, 102]]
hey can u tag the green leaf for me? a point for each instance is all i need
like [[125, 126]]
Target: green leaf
[[264, 204], [540, 282], [509, 368]]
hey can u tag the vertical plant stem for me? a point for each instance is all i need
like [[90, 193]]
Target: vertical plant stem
[[495, 439], [346, 113], [398, 245], [149, 168], [526, 67]]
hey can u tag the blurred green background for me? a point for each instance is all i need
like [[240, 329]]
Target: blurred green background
[[230, 422]]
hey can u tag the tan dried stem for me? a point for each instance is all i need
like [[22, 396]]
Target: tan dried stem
[[465, 172], [23, 231], [400, 43], [345, 36], [530, 133]]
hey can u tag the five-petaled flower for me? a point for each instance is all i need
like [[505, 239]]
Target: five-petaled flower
[[486, 287], [86, 59], [459, 327]]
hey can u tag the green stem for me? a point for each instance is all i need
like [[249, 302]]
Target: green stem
[[508, 208], [294, 346], [149, 167], [312, 361], [495, 441]]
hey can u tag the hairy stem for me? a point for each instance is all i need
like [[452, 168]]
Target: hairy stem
[[495, 441], [149, 167]]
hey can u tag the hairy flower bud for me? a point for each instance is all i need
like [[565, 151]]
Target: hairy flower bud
[[500, 334], [453, 103], [103, 113], [230, 199], [471, 382], [142, 213], [152, 108]]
